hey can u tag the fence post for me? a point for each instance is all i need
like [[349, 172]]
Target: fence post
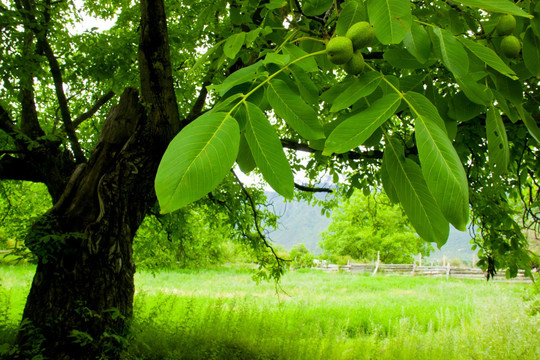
[[376, 264], [448, 270], [420, 259]]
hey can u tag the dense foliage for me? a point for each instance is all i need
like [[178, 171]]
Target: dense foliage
[[440, 107], [365, 226]]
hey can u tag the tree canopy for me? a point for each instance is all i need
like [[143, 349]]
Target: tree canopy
[[437, 103], [367, 225]]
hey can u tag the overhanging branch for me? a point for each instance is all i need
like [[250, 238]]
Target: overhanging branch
[[90, 112], [312, 189], [353, 155]]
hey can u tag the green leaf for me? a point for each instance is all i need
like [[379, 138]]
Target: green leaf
[[249, 73], [498, 6], [529, 122], [233, 44], [308, 90], [453, 55], [391, 19], [315, 7], [351, 13], [488, 56], [308, 64], [531, 52], [360, 87], [414, 195], [197, 160], [268, 152], [498, 150], [418, 43], [245, 159], [388, 186], [402, 59], [291, 107], [441, 166], [355, 130], [477, 93], [278, 59]]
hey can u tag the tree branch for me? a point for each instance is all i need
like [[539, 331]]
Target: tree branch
[[90, 112], [40, 33], [312, 189], [12, 168], [199, 103], [256, 220], [354, 155]]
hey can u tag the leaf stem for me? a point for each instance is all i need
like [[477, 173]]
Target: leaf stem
[[270, 77]]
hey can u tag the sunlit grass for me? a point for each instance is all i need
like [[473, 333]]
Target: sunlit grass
[[223, 314]]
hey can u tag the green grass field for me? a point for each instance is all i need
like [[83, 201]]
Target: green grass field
[[223, 314]]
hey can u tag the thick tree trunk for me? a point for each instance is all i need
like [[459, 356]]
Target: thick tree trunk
[[83, 288], [81, 297]]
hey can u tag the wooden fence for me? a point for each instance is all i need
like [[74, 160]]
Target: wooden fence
[[415, 270]]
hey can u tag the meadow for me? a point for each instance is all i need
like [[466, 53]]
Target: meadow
[[224, 314]]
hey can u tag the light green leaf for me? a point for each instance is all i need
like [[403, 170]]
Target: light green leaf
[[441, 166], [414, 195], [315, 7], [268, 152], [391, 19], [531, 52], [197, 160], [477, 93], [355, 130], [453, 55], [233, 44], [292, 108], [308, 64], [529, 122], [351, 13], [249, 73], [276, 4], [498, 150], [418, 43], [498, 6], [360, 87], [245, 159], [488, 56], [278, 59]]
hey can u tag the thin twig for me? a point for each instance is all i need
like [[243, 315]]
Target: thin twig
[[256, 219], [90, 112]]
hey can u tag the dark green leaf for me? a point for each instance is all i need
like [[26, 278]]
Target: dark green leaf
[[453, 55], [315, 7], [497, 6], [531, 52], [391, 19], [360, 87], [498, 150], [441, 166], [351, 13], [488, 56], [413, 193], [418, 43]]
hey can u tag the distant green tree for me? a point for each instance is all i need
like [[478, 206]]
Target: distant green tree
[[301, 256], [366, 224]]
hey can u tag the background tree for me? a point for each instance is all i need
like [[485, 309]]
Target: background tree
[[443, 109], [301, 256], [366, 224]]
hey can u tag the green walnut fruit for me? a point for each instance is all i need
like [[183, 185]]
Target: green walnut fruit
[[339, 50], [356, 64], [510, 46], [361, 34], [506, 25]]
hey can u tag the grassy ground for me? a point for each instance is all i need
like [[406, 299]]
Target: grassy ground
[[223, 314]]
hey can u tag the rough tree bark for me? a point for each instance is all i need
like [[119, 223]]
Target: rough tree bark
[[81, 297]]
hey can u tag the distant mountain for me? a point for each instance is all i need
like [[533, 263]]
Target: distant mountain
[[302, 223]]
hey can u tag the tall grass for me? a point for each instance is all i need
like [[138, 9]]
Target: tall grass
[[223, 314]]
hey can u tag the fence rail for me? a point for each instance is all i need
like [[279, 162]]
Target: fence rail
[[415, 270]]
